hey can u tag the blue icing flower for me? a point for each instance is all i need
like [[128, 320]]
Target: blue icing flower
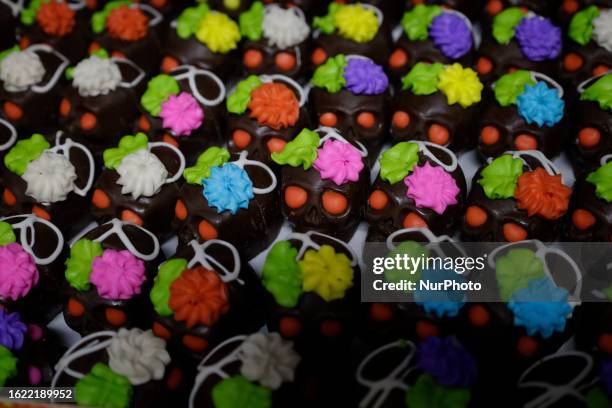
[[440, 302], [541, 307], [541, 105], [228, 188]]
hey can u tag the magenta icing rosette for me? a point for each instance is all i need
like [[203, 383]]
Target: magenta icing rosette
[[18, 273], [538, 38], [338, 161], [117, 275], [431, 187], [451, 35], [364, 77], [182, 114]]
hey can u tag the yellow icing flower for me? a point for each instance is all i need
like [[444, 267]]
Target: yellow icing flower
[[219, 32], [460, 85], [326, 273], [356, 23]]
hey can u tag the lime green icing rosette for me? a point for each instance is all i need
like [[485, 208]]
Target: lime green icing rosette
[[7, 235], [416, 22], [597, 398], [103, 388], [189, 21], [79, 264], [327, 23], [515, 269], [251, 21], [423, 78], [330, 75], [9, 51], [160, 294], [500, 177], [510, 86], [398, 161], [504, 24], [581, 26], [238, 100], [24, 152], [354, 22], [602, 179], [600, 92], [412, 249], [158, 91], [282, 275], [8, 365], [301, 151], [426, 393], [238, 392], [127, 145], [212, 157]]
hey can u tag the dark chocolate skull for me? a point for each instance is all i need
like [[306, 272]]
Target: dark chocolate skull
[[593, 61], [494, 7]]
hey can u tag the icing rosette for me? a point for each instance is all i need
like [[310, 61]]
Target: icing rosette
[[354, 22], [215, 30], [499, 178], [12, 330], [427, 393], [541, 105], [338, 161], [54, 17], [600, 92], [19, 70], [117, 275], [522, 260], [274, 105], [96, 76], [540, 193], [182, 114], [447, 361], [326, 273], [102, 387], [282, 27], [605, 373], [538, 38], [127, 23], [432, 187], [238, 391], [8, 365], [358, 75], [228, 188], [602, 29], [141, 174], [451, 35], [602, 180], [18, 272], [441, 303], [50, 177]]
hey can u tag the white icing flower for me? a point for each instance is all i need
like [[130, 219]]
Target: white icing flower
[[283, 27], [50, 177], [20, 70], [268, 359], [142, 174], [96, 76], [138, 355], [602, 29]]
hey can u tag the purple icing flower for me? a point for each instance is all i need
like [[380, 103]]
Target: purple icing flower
[[606, 376], [448, 362], [181, 114], [12, 330], [364, 77], [539, 39], [451, 35], [338, 161]]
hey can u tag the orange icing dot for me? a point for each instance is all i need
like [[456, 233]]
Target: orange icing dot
[[180, 210], [65, 107], [413, 220], [583, 219], [540, 193], [195, 343], [514, 232], [494, 7], [174, 379], [478, 315], [318, 56], [100, 199], [161, 331], [55, 18], [127, 24], [295, 196], [489, 135], [13, 111], [168, 64], [475, 216], [40, 213], [328, 119], [131, 216], [275, 145], [484, 65], [378, 200], [331, 328], [527, 346], [381, 312], [75, 308], [401, 119], [334, 203], [398, 59], [207, 231], [115, 317], [274, 105], [290, 326], [9, 198], [572, 62], [252, 58], [426, 329], [285, 61], [366, 120]]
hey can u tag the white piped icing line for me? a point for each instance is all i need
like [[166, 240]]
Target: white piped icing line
[[538, 76], [96, 76], [586, 83], [602, 29], [64, 149], [266, 79], [20, 70], [547, 165], [141, 174], [203, 258], [49, 178], [12, 138], [191, 73], [156, 16], [379, 14], [334, 134], [284, 27], [179, 155], [27, 236], [76, 5], [243, 162], [117, 229], [307, 242], [424, 147], [605, 159], [15, 6]]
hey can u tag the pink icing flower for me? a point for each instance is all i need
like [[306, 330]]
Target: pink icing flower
[[182, 114], [117, 275], [339, 161], [18, 273], [431, 187]]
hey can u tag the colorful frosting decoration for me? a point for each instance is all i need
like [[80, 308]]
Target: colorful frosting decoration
[[54, 17], [281, 27], [356, 74], [599, 92], [592, 24], [441, 303], [12, 330], [537, 37], [8, 365], [450, 31], [96, 76], [124, 20], [215, 30], [20, 70], [602, 180]]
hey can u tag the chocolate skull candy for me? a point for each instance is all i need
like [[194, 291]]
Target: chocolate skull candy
[[266, 112], [324, 182], [470, 8], [494, 7]]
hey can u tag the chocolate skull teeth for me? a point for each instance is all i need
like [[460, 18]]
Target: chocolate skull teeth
[[519, 195], [438, 103], [324, 181], [104, 295], [185, 109], [356, 103], [232, 198], [265, 112], [523, 111], [420, 185]]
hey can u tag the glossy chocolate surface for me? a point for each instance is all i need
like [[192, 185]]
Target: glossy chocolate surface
[[377, 49], [8, 24], [588, 114], [300, 52], [584, 198], [593, 56], [146, 52]]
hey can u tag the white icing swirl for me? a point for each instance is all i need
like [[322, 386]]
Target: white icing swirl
[[142, 174], [50, 177], [284, 27], [20, 70], [138, 355], [268, 359], [96, 76], [602, 29]]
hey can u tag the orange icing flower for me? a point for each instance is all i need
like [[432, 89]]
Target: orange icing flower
[[274, 105], [127, 24], [540, 193], [198, 296], [55, 18]]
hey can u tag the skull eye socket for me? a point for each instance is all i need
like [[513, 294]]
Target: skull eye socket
[[334, 203], [195, 343], [285, 61], [366, 120], [328, 119], [295, 197], [88, 121], [241, 138], [252, 58]]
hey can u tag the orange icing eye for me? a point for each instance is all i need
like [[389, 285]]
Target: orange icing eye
[[318, 56], [180, 210], [274, 105], [381, 312], [398, 58], [55, 18], [166, 138], [540, 193], [494, 7], [412, 220], [88, 121], [475, 216], [600, 70], [118, 54], [93, 47], [489, 135], [366, 120], [75, 308], [24, 42], [513, 232], [174, 379], [65, 108], [378, 200], [169, 64], [295, 197], [158, 3], [241, 138], [605, 343], [479, 316], [275, 145], [100, 199], [331, 328], [40, 213], [12, 111], [290, 326], [583, 219], [328, 119], [438, 134], [484, 65], [207, 231], [252, 58], [572, 62], [527, 346], [334, 202], [285, 61], [115, 317], [195, 343], [161, 331], [91, 4], [131, 216], [401, 119], [525, 142], [426, 329], [9, 198], [127, 24], [570, 6], [589, 137]]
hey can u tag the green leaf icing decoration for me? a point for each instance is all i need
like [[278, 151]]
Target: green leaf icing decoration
[[24, 152], [597, 398], [581, 26], [212, 157], [158, 91], [398, 161], [188, 22], [412, 249], [9, 51], [127, 145], [79, 265], [100, 53], [327, 23], [608, 293], [330, 75], [238, 100], [301, 151], [103, 388], [510, 86], [416, 22], [28, 14], [423, 78], [499, 178], [7, 235], [98, 20], [8, 365], [238, 392], [515, 269], [600, 92], [251, 22], [602, 179], [426, 393], [160, 294], [282, 275], [505, 23]]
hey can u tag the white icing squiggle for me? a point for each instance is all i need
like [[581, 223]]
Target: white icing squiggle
[[64, 148], [117, 229], [15, 6], [12, 137], [243, 162], [141, 174], [50, 178], [96, 76], [20, 70], [284, 27], [27, 236], [266, 79], [191, 73], [202, 257], [334, 134], [602, 29], [307, 243]]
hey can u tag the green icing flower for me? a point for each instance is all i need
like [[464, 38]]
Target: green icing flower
[[160, 294], [426, 393], [330, 75], [188, 22], [515, 269], [238, 392], [413, 250], [127, 145], [600, 92], [499, 178], [7, 235], [301, 151], [8, 365], [103, 388], [9, 51], [581, 26], [423, 78], [510, 86], [282, 275], [98, 20], [602, 179], [398, 161], [327, 23], [24, 152], [158, 91], [78, 266], [505, 23], [251, 22], [597, 398], [416, 22], [608, 293], [28, 14], [212, 157], [238, 100]]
